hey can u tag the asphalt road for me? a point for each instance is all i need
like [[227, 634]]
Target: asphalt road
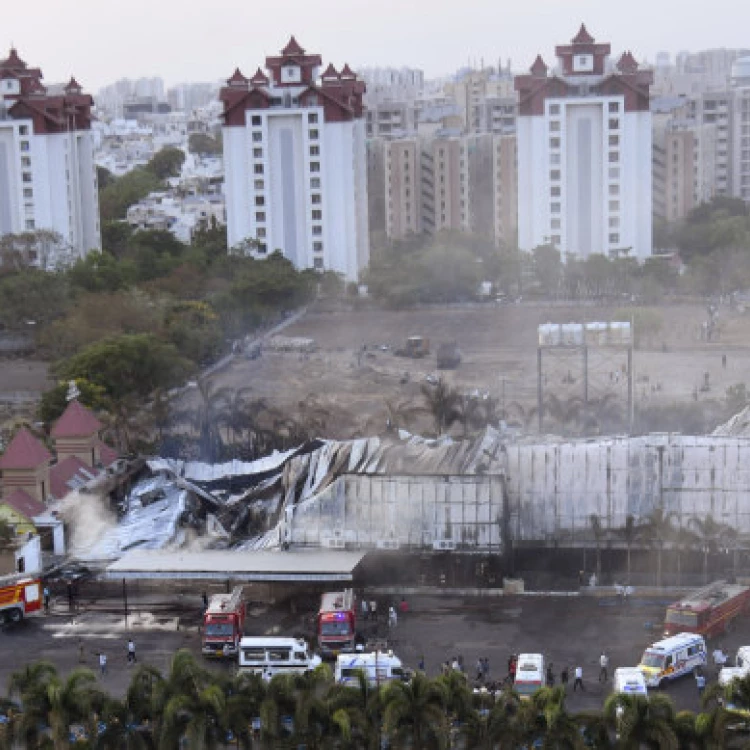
[[568, 631]]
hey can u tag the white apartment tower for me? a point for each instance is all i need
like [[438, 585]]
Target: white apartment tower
[[584, 153], [295, 162], [47, 171]]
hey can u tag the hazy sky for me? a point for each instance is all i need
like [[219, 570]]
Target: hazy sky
[[102, 40]]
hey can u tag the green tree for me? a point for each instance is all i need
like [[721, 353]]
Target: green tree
[[642, 721], [414, 713], [123, 192], [205, 145], [441, 401], [54, 402], [31, 298], [166, 163], [548, 268]]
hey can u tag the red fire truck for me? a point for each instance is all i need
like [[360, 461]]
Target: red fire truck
[[709, 610], [20, 596], [224, 624], [336, 623]]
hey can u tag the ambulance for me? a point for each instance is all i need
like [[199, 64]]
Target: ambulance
[[673, 657], [630, 681], [378, 667], [530, 674], [740, 669]]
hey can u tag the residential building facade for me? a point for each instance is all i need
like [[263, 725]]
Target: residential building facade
[[295, 162], [584, 153], [47, 171]]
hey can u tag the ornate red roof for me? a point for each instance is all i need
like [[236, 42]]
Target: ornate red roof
[[61, 474], [330, 72], [23, 503], [76, 421], [13, 61], [347, 72], [237, 77], [24, 452], [260, 78], [539, 68], [627, 63], [583, 36], [107, 453], [73, 86], [292, 48]]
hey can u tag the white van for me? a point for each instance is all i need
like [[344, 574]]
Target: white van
[[740, 669], [529, 674], [379, 667], [630, 680], [673, 657], [270, 656]]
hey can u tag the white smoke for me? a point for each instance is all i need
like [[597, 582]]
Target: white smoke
[[87, 518]]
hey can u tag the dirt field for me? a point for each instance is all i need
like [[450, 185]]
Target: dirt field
[[499, 346]]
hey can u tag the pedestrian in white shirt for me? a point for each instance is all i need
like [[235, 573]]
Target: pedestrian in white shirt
[[603, 664], [578, 682], [103, 663]]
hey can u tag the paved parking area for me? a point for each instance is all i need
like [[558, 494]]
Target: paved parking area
[[569, 631]]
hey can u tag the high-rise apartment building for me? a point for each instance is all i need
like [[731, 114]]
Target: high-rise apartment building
[[47, 171], [584, 153], [295, 162]]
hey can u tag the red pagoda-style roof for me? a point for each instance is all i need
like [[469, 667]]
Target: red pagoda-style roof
[[73, 86], [13, 61], [292, 48], [627, 63], [236, 78], [347, 72], [583, 36], [260, 78], [76, 421], [24, 504], [330, 72], [539, 68], [68, 474], [24, 452]]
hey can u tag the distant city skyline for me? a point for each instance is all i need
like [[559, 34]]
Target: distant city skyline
[[205, 43]]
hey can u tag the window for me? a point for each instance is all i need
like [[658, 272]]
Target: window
[[259, 184], [315, 166], [318, 246], [554, 142], [260, 200], [23, 130], [318, 264], [25, 161], [261, 233], [317, 214], [614, 189], [260, 216], [28, 192], [314, 151], [313, 134], [614, 157], [27, 176], [614, 238], [315, 198], [555, 191], [554, 174], [24, 145], [555, 224], [257, 136], [317, 230], [256, 121], [614, 123], [614, 222], [614, 107], [254, 654], [554, 109], [258, 169], [614, 205], [554, 126], [315, 183], [29, 223], [614, 173], [257, 153], [312, 118], [554, 208], [555, 239], [614, 140], [554, 159]]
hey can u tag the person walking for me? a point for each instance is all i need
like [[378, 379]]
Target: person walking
[[392, 617], [131, 651], [720, 659], [374, 609], [603, 664], [564, 677], [204, 599], [486, 668], [700, 683], [550, 676], [103, 663], [480, 669], [365, 609], [578, 682], [45, 597], [403, 606]]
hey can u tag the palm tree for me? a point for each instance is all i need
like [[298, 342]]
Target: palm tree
[[10, 713], [415, 713], [558, 728], [642, 721], [356, 713], [710, 533], [457, 694], [244, 696], [657, 528], [441, 401], [49, 701], [493, 724], [207, 418], [120, 730]]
